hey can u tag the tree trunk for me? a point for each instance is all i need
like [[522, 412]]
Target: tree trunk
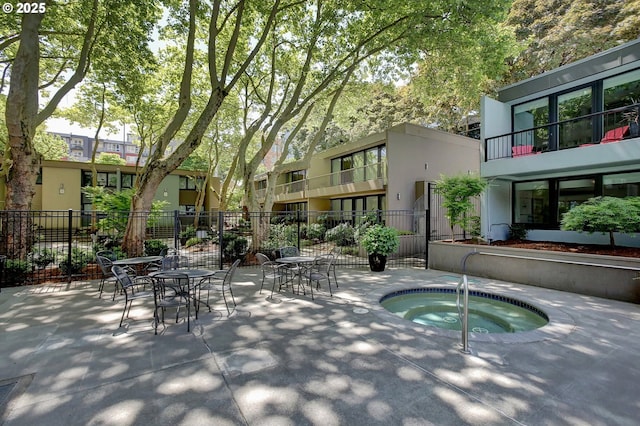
[[135, 233], [22, 161]]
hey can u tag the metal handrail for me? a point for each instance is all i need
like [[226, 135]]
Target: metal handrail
[[464, 284]]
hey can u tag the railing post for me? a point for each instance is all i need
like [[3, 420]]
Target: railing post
[[427, 235], [69, 244], [176, 229], [220, 239], [298, 222]]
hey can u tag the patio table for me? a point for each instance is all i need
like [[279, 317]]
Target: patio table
[[138, 263], [299, 262], [192, 274]]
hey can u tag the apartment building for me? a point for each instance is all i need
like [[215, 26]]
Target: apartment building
[[59, 186], [557, 139], [383, 171], [81, 148]]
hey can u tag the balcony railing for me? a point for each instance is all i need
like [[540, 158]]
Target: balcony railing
[[343, 177], [357, 174], [602, 127]]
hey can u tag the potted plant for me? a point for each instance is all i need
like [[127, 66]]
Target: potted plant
[[188, 232], [380, 241]]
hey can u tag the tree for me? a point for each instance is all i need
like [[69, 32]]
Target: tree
[[556, 32], [458, 191], [110, 158], [50, 147], [605, 215], [48, 54], [234, 36]]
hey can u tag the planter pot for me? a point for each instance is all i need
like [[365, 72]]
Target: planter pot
[[377, 262]]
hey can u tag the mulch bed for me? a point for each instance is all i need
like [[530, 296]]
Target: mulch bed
[[568, 247]]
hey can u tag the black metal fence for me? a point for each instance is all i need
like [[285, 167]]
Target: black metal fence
[[61, 245]]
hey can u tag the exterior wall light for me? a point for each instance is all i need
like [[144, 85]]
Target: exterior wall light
[[61, 189]]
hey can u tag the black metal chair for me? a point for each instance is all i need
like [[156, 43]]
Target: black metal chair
[[105, 265], [131, 287], [320, 270], [211, 283], [172, 290], [174, 261], [270, 270], [292, 269]]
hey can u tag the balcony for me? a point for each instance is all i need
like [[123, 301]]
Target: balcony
[[599, 128], [372, 177]]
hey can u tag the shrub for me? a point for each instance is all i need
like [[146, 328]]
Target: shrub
[[457, 192], [16, 270], [193, 241], [316, 231], [235, 247], [154, 247], [42, 258], [518, 232], [605, 215], [474, 227], [342, 235], [79, 259], [380, 240], [281, 235], [188, 232]]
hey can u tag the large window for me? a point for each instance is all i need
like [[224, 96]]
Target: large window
[[529, 116], [187, 182], [620, 91], [572, 105], [352, 209], [532, 202], [296, 180], [621, 185], [542, 203], [358, 166], [574, 192]]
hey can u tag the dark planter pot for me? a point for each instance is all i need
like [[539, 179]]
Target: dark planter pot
[[377, 262]]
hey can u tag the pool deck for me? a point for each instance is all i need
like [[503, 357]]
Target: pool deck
[[294, 361]]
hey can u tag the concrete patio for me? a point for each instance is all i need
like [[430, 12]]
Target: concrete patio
[[294, 361]]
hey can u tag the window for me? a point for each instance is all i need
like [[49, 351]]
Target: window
[[296, 179], [621, 185], [620, 91], [572, 105], [349, 209], [187, 182], [574, 192], [108, 180], [358, 166], [532, 202], [126, 180], [297, 207], [528, 116], [261, 184]]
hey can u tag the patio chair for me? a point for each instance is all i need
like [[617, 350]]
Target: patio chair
[[172, 291], [319, 270], [211, 283], [155, 266], [130, 286], [105, 265], [270, 270], [335, 252], [289, 251], [175, 261]]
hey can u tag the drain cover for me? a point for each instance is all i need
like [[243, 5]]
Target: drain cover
[[360, 310]]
